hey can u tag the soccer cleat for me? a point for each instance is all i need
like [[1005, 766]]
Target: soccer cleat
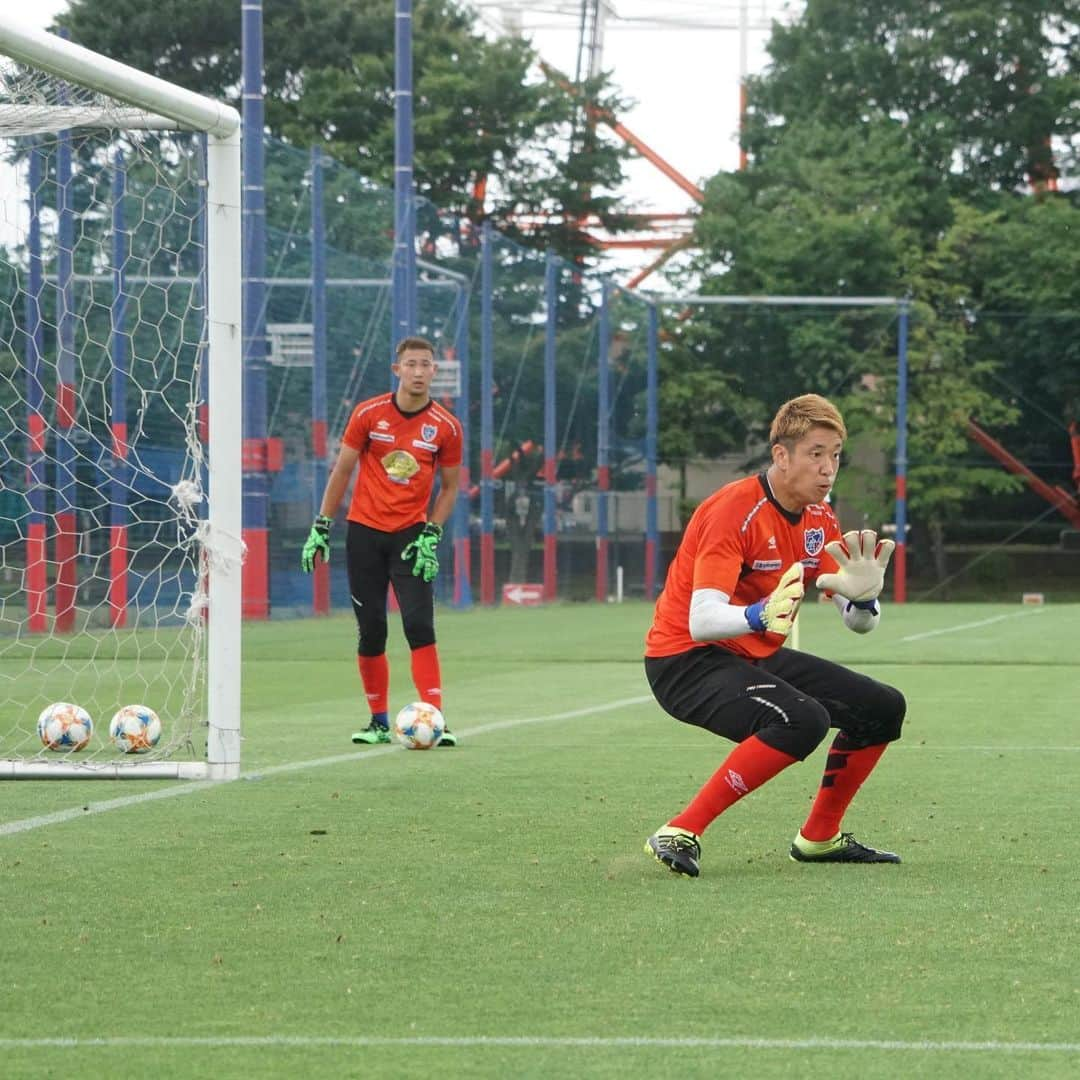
[[448, 738], [844, 849], [678, 849], [372, 734]]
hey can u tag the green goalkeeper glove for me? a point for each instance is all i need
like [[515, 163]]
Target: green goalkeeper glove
[[422, 550], [317, 543], [862, 562], [776, 612]]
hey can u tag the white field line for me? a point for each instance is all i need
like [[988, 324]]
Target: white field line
[[972, 625], [533, 1042], [58, 817]]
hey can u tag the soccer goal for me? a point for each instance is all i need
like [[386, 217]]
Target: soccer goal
[[120, 385]]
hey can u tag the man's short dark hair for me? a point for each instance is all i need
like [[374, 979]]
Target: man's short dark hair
[[413, 343]]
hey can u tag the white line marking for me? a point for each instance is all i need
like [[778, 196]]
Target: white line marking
[[972, 625], [992, 749], [531, 1041], [85, 810]]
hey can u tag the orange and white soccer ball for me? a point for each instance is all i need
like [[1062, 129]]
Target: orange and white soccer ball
[[64, 727], [134, 729], [419, 726]]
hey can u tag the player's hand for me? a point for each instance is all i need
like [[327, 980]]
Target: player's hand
[[422, 552], [862, 562], [317, 543], [776, 612]]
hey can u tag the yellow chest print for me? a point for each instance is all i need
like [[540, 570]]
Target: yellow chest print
[[400, 466]]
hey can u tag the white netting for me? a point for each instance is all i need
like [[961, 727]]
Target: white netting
[[102, 475]]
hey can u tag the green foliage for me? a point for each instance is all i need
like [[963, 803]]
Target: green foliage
[[479, 109]]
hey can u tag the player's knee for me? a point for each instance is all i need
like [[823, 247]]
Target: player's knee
[[892, 713], [371, 639], [420, 633], [797, 728]]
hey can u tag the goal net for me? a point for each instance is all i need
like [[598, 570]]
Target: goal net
[[120, 371]]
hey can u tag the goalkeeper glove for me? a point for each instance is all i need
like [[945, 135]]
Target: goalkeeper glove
[[776, 612], [861, 561], [422, 551], [317, 543]]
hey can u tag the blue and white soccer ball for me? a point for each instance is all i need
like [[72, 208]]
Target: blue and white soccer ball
[[419, 726], [65, 727], [134, 729]]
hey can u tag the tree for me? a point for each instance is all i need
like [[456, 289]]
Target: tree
[[988, 91], [329, 74]]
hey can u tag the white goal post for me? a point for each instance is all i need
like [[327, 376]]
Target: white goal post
[[121, 368]]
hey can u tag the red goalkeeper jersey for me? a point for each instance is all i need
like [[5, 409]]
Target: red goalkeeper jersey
[[399, 453], [740, 540]]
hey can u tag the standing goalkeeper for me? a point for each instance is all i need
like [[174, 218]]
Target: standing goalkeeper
[[713, 655], [399, 439]]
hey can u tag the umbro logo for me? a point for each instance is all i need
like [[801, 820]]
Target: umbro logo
[[736, 782], [382, 425]]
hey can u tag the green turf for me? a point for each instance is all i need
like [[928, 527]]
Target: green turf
[[499, 892]]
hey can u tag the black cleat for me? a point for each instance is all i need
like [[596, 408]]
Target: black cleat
[[678, 849], [844, 849], [448, 738]]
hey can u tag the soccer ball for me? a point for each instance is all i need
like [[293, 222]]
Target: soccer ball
[[135, 729], [419, 726], [63, 726]]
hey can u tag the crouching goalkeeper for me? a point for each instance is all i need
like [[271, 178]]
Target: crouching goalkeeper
[[399, 440], [713, 655]]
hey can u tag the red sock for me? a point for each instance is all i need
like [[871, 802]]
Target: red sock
[[845, 770], [748, 766], [375, 675], [425, 675]]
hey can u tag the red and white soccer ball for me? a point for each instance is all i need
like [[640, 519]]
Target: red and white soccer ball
[[419, 726], [134, 729], [64, 727]]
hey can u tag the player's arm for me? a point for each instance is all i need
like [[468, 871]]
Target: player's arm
[[449, 476], [318, 541], [713, 617]]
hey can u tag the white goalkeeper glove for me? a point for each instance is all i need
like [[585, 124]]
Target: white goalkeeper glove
[[776, 612], [862, 562]]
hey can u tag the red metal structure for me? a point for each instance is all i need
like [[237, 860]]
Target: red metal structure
[[1066, 503]]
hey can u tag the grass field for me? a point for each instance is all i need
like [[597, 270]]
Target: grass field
[[488, 911]]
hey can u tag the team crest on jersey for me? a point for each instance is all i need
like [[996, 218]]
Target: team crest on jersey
[[813, 540], [428, 432], [400, 466]]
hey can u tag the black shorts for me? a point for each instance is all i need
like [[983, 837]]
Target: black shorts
[[374, 564], [789, 700]]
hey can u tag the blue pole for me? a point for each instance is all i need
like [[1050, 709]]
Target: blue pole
[[256, 603], [487, 418], [603, 418], [120, 356], [36, 583], [551, 465], [404, 275], [321, 578], [652, 427], [900, 573], [462, 538]]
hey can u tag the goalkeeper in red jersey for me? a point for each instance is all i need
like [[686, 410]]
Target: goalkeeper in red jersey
[[400, 440], [713, 655]]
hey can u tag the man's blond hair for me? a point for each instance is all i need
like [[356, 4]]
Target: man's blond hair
[[796, 417]]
